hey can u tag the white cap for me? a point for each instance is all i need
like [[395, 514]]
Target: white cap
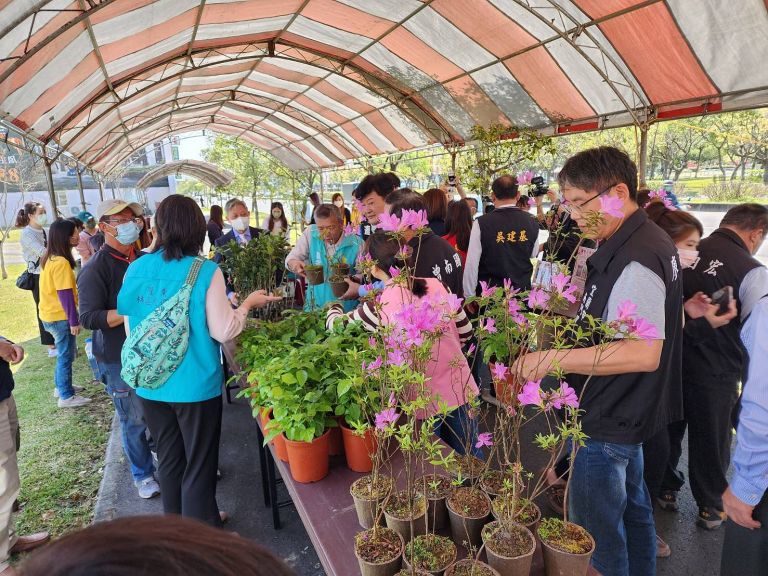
[[116, 205]]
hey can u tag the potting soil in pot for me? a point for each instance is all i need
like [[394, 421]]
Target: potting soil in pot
[[430, 552], [510, 543], [570, 538], [384, 548], [468, 567], [470, 502]]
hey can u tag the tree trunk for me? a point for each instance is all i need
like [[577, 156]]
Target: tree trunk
[[2, 259], [743, 170], [720, 162], [735, 171]]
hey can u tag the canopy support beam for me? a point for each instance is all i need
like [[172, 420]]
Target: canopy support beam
[[51, 190], [80, 187]]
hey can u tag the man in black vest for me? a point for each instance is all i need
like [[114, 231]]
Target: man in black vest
[[634, 386], [502, 243], [713, 367]]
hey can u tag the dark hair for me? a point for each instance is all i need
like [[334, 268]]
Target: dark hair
[[747, 217], [522, 202], [271, 220], [477, 204], [22, 218], [596, 169], [217, 215], [337, 196], [96, 241], [458, 222], [77, 222], [382, 183], [328, 211], [58, 241], [437, 204], [149, 545], [231, 203], [314, 198], [643, 197], [676, 223], [405, 199], [505, 187], [180, 226], [385, 249]]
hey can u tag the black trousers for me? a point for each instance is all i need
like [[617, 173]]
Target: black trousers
[[187, 438], [45, 337], [708, 405], [656, 461], [746, 551]]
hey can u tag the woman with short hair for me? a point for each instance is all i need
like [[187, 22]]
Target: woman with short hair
[[183, 413]]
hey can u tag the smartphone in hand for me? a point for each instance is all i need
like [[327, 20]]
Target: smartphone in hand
[[723, 299]]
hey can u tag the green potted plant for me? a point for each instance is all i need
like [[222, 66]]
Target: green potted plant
[[436, 487], [470, 567], [468, 511], [567, 547], [430, 552], [509, 547], [378, 551], [314, 274]]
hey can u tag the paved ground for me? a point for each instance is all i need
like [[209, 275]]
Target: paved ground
[[695, 552]]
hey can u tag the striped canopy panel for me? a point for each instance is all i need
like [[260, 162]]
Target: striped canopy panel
[[317, 82]]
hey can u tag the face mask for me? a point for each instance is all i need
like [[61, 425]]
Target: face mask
[[127, 233], [241, 224], [687, 257], [339, 203], [42, 219], [276, 214]]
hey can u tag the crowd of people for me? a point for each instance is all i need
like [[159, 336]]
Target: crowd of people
[[702, 372]]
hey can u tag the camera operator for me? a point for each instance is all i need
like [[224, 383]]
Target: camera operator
[[564, 234]]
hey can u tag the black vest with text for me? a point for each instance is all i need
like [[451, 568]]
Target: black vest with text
[[507, 237], [724, 260], [630, 408]]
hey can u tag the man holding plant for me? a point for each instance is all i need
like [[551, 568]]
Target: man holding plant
[[629, 386], [325, 244]]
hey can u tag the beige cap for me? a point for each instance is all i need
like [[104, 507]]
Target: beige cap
[[115, 205]]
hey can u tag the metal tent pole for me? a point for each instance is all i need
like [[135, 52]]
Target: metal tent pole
[[80, 187], [51, 191], [643, 159]]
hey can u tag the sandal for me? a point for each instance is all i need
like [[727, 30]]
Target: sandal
[[667, 500]]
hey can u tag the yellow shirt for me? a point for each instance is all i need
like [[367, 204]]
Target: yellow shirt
[[57, 275]]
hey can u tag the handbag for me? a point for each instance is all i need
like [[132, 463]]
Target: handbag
[[26, 280]]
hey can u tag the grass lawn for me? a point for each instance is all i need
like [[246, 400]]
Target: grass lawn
[[62, 451]]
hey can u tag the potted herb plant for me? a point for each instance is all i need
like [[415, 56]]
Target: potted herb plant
[[379, 551], [430, 552], [567, 547], [314, 274]]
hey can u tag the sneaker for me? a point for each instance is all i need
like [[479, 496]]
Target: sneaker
[[710, 518], [667, 500], [74, 402], [662, 548], [490, 399], [148, 488], [77, 390], [52, 353]]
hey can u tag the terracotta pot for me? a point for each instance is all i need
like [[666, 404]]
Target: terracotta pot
[[560, 563], [386, 568], [358, 449], [314, 276], [340, 269], [308, 460], [509, 565], [278, 441], [366, 507], [410, 527], [335, 443], [475, 564], [339, 288], [465, 528]]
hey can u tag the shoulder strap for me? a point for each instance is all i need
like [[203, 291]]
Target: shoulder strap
[[45, 239], [194, 271]]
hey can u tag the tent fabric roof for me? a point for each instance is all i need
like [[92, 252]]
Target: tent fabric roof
[[317, 82], [207, 173]]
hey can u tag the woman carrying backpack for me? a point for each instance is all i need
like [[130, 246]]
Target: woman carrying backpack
[[32, 219], [58, 307], [182, 407]]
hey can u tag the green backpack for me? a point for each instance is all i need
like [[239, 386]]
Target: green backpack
[[156, 347]]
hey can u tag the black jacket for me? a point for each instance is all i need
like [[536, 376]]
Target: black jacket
[[438, 259], [98, 285], [507, 237], [6, 379], [630, 408]]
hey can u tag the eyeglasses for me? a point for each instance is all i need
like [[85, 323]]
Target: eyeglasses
[[330, 228], [112, 222], [571, 208]]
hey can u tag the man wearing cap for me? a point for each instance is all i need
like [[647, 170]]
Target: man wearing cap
[[89, 229], [98, 285]]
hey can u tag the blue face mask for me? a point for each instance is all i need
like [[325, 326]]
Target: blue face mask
[[127, 233]]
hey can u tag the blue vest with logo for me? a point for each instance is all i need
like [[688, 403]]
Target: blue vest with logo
[[346, 251]]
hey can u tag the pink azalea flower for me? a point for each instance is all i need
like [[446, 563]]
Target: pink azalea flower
[[373, 366], [405, 252], [564, 287], [645, 330], [385, 418], [394, 272], [415, 220], [626, 310], [349, 230], [453, 303], [486, 290], [489, 326], [499, 371], [507, 285], [484, 439], [537, 298], [471, 349], [388, 222], [392, 401], [371, 341], [530, 394], [565, 396], [611, 206], [525, 177], [395, 358], [531, 201]]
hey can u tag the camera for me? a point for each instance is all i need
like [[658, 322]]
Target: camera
[[451, 179], [487, 204], [539, 188]]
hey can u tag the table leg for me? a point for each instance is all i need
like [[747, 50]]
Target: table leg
[[272, 480], [263, 466]]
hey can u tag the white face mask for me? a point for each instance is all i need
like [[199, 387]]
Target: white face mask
[[41, 219], [687, 257], [241, 224], [339, 203]]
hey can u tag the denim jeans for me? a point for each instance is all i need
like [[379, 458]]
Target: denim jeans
[[132, 425], [66, 346], [459, 430], [609, 498]]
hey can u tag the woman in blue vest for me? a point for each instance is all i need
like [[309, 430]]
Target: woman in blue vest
[[322, 243], [184, 414]]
